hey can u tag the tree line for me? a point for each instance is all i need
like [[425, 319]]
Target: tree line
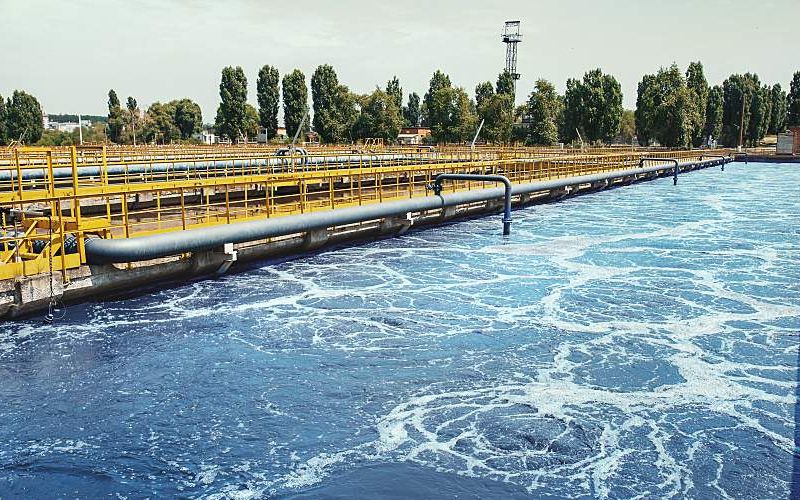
[[339, 115], [673, 109]]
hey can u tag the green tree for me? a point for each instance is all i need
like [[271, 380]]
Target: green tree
[[3, 120], [230, 120], [451, 115], [332, 107], [116, 119], [760, 114], [159, 123], [645, 110], [698, 88], [666, 109], [483, 91], [778, 122], [268, 95], [133, 120], [379, 117], [23, 118], [505, 84], [674, 115], [411, 113], [295, 101], [793, 102], [520, 128], [573, 110], [251, 122], [438, 81], [544, 109], [188, 117], [497, 112], [627, 127], [714, 107], [738, 93], [464, 119], [496, 109], [395, 91], [594, 106]]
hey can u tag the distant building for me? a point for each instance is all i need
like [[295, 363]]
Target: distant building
[[263, 139], [206, 137], [413, 135], [63, 126], [789, 142]]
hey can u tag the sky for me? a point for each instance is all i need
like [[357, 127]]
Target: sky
[[69, 53]]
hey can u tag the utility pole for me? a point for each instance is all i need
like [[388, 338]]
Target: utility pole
[[741, 126], [80, 129]]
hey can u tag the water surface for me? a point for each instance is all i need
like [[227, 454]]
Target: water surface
[[641, 341]]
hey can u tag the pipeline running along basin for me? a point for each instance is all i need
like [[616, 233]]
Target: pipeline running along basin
[[78, 232]]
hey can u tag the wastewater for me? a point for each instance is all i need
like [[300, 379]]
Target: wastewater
[[635, 342]]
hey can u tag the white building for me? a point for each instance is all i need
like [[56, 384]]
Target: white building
[[205, 137]]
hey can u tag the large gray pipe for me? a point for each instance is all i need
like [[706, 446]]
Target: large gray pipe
[[175, 243]]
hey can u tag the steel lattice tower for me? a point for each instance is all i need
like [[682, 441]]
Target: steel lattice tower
[[511, 38]]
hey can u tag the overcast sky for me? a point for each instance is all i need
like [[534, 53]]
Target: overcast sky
[[70, 52]]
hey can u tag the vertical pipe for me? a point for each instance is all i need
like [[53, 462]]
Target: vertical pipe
[[183, 213], [19, 173]]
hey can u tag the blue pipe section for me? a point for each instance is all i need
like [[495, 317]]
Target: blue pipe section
[[671, 160], [99, 251], [437, 190], [714, 156]]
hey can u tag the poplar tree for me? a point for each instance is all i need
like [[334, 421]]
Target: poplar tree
[[268, 95], [295, 101], [231, 113], [793, 102], [698, 87], [411, 112], [116, 120], [439, 81], [334, 107], [133, 116], [738, 93], [3, 119], [714, 107], [644, 110], [778, 122], [395, 91]]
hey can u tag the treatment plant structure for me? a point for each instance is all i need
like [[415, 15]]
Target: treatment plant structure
[[79, 222]]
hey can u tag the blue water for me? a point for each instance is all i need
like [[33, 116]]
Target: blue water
[[641, 341]]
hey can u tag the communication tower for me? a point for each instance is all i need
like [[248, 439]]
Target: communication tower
[[511, 38]]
